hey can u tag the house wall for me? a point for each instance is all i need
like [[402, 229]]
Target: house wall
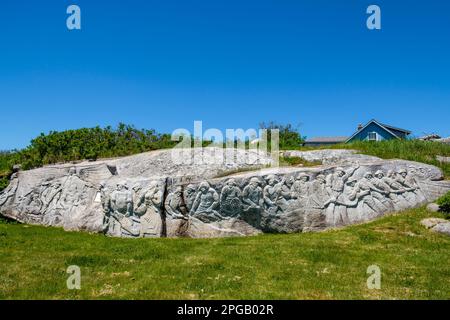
[[364, 134]]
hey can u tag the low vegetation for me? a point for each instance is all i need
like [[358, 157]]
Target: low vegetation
[[94, 143], [444, 204], [298, 162], [328, 265], [81, 144]]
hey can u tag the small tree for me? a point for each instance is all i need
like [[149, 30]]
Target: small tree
[[290, 137]]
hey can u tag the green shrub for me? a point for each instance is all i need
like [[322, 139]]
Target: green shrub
[[444, 203]]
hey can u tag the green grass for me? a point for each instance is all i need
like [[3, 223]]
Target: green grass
[[298, 162], [330, 265], [413, 150]]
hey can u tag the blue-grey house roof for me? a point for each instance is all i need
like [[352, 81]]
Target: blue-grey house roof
[[394, 131]]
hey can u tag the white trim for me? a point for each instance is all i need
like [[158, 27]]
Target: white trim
[[372, 133]]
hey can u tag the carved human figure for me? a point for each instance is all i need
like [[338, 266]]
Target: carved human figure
[[383, 190], [273, 196], [122, 222], [335, 184], [397, 191], [252, 196], [301, 190], [190, 193], [287, 188], [175, 206], [315, 217], [336, 181], [150, 217], [370, 206], [206, 202], [411, 195], [230, 199], [318, 192], [410, 181]]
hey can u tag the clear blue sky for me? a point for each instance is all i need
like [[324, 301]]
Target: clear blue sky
[[229, 63]]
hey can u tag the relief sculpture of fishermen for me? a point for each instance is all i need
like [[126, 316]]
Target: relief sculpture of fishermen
[[122, 221], [175, 204], [206, 203], [253, 196], [335, 184], [149, 210], [273, 197], [230, 199]]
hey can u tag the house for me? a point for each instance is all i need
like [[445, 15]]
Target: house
[[372, 131], [430, 137], [324, 141], [376, 131]]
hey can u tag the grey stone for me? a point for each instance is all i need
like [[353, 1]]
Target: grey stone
[[432, 222], [443, 159], [443, 228], [433, 207], [331, 156], [152, 195]]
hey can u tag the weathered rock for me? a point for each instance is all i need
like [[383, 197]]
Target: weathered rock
[[432, 222], [152, 195], [331, 156], [433, 207], [443, 228], [443, 159], [437, 225]]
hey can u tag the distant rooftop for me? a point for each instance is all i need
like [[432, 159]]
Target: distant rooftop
[[326, 139]]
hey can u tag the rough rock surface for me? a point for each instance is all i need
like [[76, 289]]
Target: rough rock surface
[[433, 207], [331, 156], [437, 225], [153, 195]]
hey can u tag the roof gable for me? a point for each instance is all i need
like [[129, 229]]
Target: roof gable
[[386, 128]]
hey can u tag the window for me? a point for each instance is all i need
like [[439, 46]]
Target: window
[[373, 136]]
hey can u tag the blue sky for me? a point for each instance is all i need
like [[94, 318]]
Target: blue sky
[[229, 63]]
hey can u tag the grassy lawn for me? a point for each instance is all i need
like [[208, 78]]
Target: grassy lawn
[[415, 263]]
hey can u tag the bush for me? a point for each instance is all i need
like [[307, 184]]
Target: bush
[[444, 203], [82, 144], [290, 137]]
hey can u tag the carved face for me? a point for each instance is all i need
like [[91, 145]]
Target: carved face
[[289, 181], [204, 187], [368, 176], [304, 179], [380, 175], [254, 182], [120, 187], [231, 183], [340, 173]]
